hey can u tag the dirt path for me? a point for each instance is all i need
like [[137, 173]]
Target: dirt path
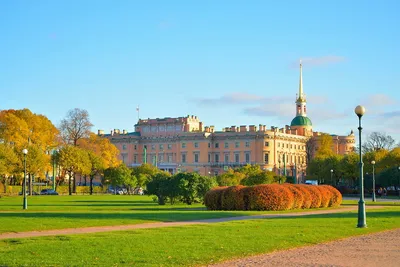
[[97, 229], [379, 249]]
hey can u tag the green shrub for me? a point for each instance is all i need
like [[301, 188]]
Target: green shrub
[[298, 196]]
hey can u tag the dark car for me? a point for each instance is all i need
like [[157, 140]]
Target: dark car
[[48, 192]]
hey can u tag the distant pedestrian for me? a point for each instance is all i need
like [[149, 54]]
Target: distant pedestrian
[[380, 191], [384, 192]]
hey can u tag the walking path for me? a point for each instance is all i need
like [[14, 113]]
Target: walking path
[[97, 229], [373, 250]]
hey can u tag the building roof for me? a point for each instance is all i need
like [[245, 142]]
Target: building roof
[[301, 121]]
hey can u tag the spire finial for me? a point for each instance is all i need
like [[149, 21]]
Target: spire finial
[[301, 96]]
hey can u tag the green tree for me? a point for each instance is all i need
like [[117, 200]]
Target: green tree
[[230, 178], [159, 185], [144, 173], [117, 176], [263, 177]]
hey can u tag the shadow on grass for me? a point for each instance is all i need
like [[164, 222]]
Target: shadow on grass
[[164, 217], [353, 214]]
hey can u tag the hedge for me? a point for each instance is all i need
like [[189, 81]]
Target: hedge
[[272, 197], [298, 196]]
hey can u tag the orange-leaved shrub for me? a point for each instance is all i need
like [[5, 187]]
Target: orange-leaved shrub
[[298, 196], [315, 195], [232, 198], [268, 197], [306, 196], [326, 196], [212, 199], [336, 198]]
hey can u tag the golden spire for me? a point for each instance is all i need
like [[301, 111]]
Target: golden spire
[[301, 94]]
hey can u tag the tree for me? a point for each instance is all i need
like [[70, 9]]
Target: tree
[[349, 166], [230, 178], [311, 147], [120, 175], [8, 163], [73, 159], [144, 172], [377, 141], [324, 149], [75, 126], [263, 177], [159, 186], [102, 155]]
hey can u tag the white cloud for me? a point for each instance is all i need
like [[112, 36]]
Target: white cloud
[[379, 100]]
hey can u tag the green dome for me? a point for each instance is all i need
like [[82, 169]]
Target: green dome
[[301, 121]]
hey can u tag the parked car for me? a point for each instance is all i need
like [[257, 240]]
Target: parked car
[[48, 192]]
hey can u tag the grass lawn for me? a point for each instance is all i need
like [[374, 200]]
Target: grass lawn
[[57, 212], [191, 245]]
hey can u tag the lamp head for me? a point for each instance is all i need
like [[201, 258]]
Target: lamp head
[[359, 110], [373, 162], [331, 170], [25, 151]]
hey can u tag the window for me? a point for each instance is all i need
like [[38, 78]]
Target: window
[[183, 145], [237, 144], [169, 158], [135, 147], [135, 159], [154, 160], [266, 158], [123, 147], [287, 145], [183, 158], [161, 146], [216, 157], [209, 157], [209, 145], [266, 144], [226, 157], [196, 157], [279, 144], [226, 145], [291, 146], [247, 144], [216, 145], [196, 145], [169, 146], [160, 157], [247, 157], [237, 157], [153, 147]]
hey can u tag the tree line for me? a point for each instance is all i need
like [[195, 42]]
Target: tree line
[[330, 168]]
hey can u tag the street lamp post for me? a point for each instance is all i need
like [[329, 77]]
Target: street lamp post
[[25, 203], [332, 176], [373, 181], [362, 222]]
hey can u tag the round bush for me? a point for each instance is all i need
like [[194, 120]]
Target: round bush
[[232, 198], [298, 196], [326, 196], [212, 199], [268, 197], [316, 197], [336, 198], [306, 196]]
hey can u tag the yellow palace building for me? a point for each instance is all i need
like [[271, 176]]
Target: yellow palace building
[[185, 144]]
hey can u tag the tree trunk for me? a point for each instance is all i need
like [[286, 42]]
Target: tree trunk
[[74, 185], [30, 185], [91, 184], [85, 180], [69, 184]]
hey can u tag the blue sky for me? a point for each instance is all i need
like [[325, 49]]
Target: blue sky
[[228, 62]]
